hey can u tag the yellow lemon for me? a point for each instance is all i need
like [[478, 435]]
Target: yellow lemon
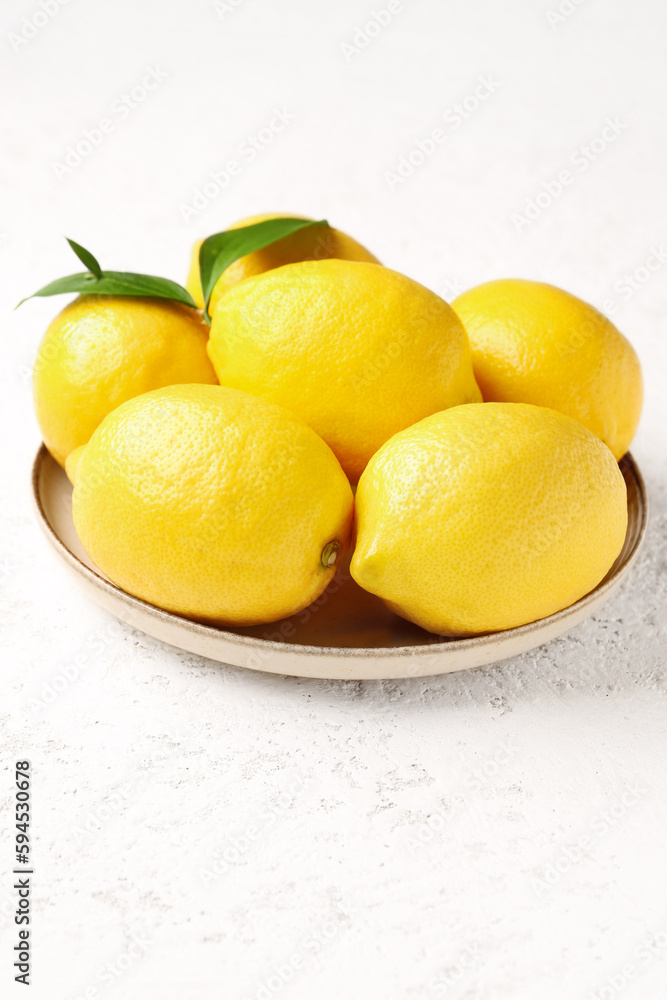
[[102, 350], [213, 504], [533, 343], [356, 350], [486, 517], [317, 243]]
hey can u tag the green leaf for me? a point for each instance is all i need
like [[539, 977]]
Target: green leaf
[[217, 252], [144, 285], [86, 257], [117, 283]]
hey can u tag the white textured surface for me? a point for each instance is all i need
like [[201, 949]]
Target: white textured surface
[[389, 838]]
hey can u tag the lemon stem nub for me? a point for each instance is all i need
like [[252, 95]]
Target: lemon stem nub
[[330, 554]]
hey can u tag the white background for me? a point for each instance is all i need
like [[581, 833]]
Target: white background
[[382, 840]]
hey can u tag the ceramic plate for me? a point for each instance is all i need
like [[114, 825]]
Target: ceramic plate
[[346, 634]]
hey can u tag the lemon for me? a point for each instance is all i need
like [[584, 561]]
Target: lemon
[[316, 243], [489, 516], [213, 504], [102, 350], [356, 350], [534, 343]]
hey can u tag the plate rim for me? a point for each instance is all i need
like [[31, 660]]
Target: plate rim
[[342, 652]]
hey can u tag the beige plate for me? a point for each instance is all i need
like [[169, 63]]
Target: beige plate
[[346, 634]]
